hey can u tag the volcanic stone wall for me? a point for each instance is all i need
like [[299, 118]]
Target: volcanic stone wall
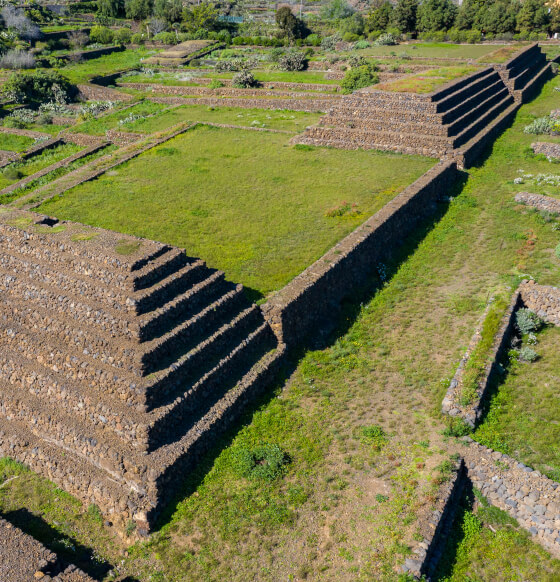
[[546, 203], [299, 309], [120, 360]]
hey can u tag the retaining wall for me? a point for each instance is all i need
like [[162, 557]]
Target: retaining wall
[[299, 309], [546, 203]]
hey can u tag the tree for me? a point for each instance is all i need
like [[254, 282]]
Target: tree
[[554, 25], [380, 18], [16, 19], [405, 15], [287, 22], [500, 17], [337, 10], [533, 16], [138, 9], [436, 15], [202, 16], [38, 87], [110, 8], [470, 14], [169, 10]]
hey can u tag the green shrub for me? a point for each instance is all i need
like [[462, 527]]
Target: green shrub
[[123, 36], [216, 84], [137, 38], [527, 321], [362, 44], [374, 435], [38, 87], [264, 462], [527, 354], [274, 54], [358, 78], [313, 40], [456, 427], [350, 37], [245, 80], [540, 126], [386, 39], [101, 34], [292, 61], [11, 173]]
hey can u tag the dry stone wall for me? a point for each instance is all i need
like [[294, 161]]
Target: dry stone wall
[[546, 203], [298, 309], [549, 149]]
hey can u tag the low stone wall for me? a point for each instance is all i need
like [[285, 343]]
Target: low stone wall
[[544, 300], [470, 413], [527, 495], [436, 528], [298, 310], [98, 93], [123, 137], [550, 150], [23, 559], [546, 203], [7, 157]]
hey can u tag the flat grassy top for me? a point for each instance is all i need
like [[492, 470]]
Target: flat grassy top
[[443, 50], [502, 54], [82, 72], [295, 121], [36, 163], [15, 143], [427, 81], [111, 121], [524, 419], [244, 201]]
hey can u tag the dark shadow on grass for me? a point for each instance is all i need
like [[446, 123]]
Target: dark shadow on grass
[[335, 325], [67, 548], [457, 535]]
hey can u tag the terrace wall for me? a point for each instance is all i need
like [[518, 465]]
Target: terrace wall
[[300, 308]]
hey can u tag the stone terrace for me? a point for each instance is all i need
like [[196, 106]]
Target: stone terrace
[[120, 359], [437, 124]]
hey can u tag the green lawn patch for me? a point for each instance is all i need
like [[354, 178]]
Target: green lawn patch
[[15, 143], [244, 201], [440, 50], [295, 121], [427, 81]]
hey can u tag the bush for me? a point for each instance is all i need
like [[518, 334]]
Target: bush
[[264, 462], [358, 78], [17, 59], [244, 80], [137, 39], [166, 37], [39, 87], [274, 54], [361, 44], [473, 36], [527, 321], [527, 354], [313, 40], [292, 61], [12, 174], [350, 37], [123, 36], [386, 39], [101, 34], [329, 43], [215, 84], [540, 126]]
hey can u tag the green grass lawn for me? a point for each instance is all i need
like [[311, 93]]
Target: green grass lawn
[[427, 81], [443, 50], [112, 120], [36, 163], [244, 201], [15, 143], [82, 72], [524, 419], [295, 121]]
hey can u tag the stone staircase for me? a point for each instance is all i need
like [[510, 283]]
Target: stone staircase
[[121, 360], [434, 125]]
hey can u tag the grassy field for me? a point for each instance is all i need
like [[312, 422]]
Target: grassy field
[[295, 121], [36, 163], [427, 81], [15, 143], [112, 120], [245, 201], [441, 50]]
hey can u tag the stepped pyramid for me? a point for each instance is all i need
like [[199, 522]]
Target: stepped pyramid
[[440, 124], [120, 360]]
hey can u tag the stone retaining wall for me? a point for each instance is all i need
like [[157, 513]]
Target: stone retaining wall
[[544, 300], [91, 92], [549, 149], [299, 309], [546, 203], [470, 413], [527, 495], [437, 526]]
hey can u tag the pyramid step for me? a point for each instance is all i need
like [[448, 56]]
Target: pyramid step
[[387, 123], [465, 85], [536, 82], [167, 288], [472, 102], [469, 132], [186, 335], [175, 419], [526, 74], [468, 90], [463, 122], [154, 271], [190, 367], [159, 322]]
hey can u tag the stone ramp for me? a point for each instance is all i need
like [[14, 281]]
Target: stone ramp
[[121, 359], [24, 559]]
